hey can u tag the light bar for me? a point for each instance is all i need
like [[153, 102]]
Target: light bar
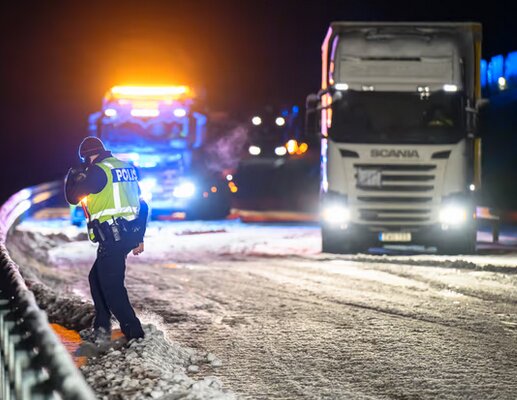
[[164, 92]]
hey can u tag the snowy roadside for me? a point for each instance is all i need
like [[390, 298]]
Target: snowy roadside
[[263, 297], [152, 368]]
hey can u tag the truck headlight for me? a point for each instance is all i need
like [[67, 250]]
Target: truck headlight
[[184, 190], [336, 214], [254, 150], [453, 215], [146, 186]]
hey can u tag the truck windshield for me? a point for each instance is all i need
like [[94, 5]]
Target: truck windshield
[[155, 134], [397, 117]]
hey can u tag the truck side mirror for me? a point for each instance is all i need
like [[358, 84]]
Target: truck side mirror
[[312, 108]]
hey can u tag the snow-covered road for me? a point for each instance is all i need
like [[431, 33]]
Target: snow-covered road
[[290, 322]]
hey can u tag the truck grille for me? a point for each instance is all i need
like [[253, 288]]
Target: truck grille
[[394, 194]]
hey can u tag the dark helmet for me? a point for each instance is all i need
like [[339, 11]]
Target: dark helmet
[[90, 146]]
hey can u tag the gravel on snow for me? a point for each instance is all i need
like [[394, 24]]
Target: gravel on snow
[[154, 367]]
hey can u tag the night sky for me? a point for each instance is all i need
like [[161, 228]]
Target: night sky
[[59, 57]]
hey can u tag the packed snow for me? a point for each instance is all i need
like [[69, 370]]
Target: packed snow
[[258, 311]]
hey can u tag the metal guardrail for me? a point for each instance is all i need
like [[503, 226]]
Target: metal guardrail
[[34, 364]]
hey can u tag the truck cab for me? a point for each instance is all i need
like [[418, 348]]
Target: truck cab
[[397, 118], [161, 131]]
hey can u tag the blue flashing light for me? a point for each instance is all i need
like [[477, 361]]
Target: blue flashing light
[[510, 66], [296, 109], [483, 72], [285, 113], [495, 69]]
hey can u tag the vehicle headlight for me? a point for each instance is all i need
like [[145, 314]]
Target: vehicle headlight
[[146, 186], [184, 190], [254, 150], [280, 151], [453, 215], [336, 214]]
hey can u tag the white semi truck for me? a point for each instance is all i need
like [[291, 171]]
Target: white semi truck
[[397, 116]]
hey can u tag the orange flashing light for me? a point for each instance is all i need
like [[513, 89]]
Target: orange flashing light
[[233, 187], [292, 146], [164, 92], [302, 148]]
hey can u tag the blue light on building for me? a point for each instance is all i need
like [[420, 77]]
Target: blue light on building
[[510, 66], [495, 69]]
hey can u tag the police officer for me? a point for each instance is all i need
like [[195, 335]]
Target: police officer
[[108, 190]]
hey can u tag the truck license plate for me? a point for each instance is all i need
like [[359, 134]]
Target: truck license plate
[[395, 237]]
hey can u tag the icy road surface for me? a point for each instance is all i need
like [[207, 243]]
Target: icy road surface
[[289, 322]]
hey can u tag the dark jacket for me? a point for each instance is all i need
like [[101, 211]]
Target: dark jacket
[[91, 179]]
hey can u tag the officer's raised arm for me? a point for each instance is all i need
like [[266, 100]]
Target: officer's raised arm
[[79, 183]]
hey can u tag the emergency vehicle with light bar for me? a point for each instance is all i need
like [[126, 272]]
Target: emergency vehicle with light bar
[[161, 131]]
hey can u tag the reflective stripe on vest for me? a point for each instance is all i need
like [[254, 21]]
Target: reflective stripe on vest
[[116, 192], [116, 211]]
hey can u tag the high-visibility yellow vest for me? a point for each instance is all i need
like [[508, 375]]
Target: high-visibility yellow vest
[[120, 195]]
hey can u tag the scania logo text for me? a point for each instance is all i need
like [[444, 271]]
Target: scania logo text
[[394, 153]]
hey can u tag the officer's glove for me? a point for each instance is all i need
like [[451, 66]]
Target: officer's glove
[[76, 174]]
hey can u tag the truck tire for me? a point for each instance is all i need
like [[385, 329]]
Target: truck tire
[[210, 211], [462, 244], [335, 242]]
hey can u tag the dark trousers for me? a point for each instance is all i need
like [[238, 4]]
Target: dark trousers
[[109, 293]]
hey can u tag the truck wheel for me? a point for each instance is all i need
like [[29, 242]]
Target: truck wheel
[[462, 244], [211, 211], [333, 241], [218, 213]]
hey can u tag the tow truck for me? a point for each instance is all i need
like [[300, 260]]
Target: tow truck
[[161, 131]]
